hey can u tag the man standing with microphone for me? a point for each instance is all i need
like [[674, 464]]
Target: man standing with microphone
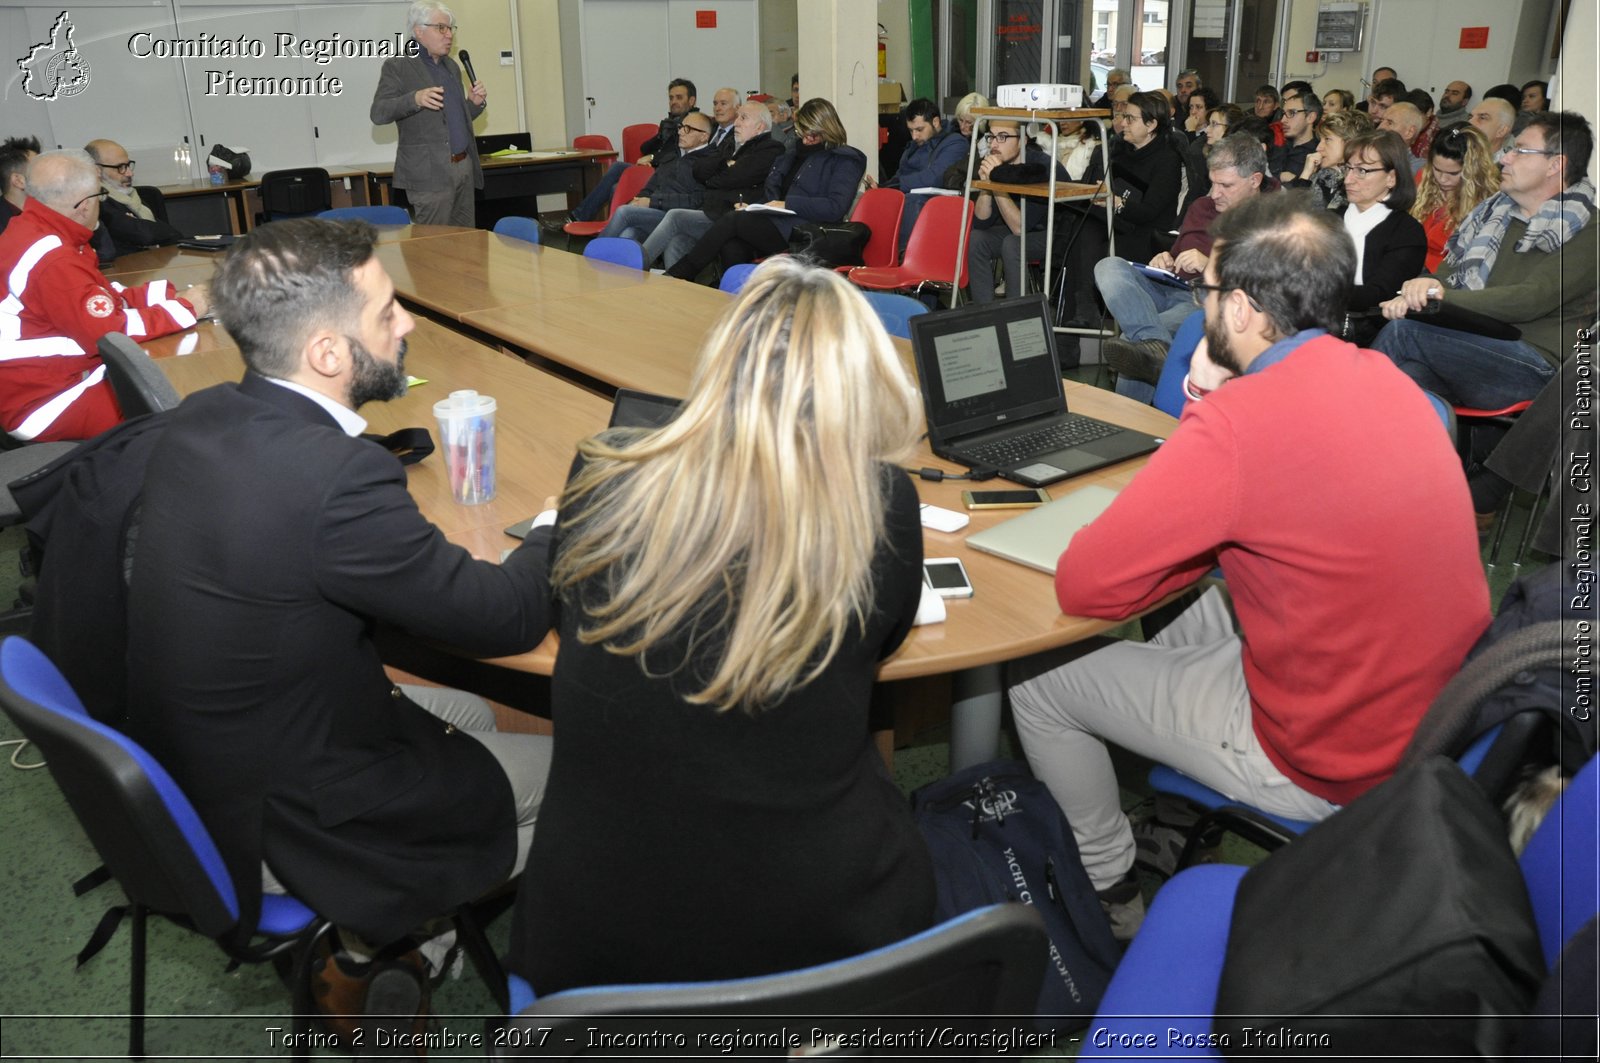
[[437, 161]]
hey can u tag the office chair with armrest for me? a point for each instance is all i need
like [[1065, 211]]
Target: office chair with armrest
[[986, 962], [1493, 758], [616, 250], [139, 386], [518, 227], [294, 193], [633, 138], [154, 844], [378, 215]]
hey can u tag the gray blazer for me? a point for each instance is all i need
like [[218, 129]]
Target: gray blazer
[[423, 159]]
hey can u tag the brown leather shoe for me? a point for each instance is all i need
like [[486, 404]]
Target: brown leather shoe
[[344, 991]]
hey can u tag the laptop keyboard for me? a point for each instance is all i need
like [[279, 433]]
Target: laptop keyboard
[[1074, 431]]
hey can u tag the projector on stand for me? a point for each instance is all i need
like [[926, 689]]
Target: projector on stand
[[1040, 97]]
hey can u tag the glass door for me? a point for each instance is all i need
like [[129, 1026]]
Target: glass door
[[1236, 44]]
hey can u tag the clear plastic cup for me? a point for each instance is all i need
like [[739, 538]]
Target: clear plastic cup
[[466, 433]]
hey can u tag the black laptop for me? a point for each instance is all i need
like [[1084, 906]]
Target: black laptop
[[991, 386], [630, 409]]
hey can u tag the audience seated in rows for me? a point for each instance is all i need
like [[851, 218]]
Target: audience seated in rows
[[673, 186], [1526, 257], [702, 677], [1332, 556], [58, 305], [815, 182], [733, 174], [657, 151]]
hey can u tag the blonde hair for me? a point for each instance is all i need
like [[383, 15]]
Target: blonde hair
[[817, 115], [968, 102], [1480, 176], [749, 523]]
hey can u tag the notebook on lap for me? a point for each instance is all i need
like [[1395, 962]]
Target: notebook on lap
[[991, 388]]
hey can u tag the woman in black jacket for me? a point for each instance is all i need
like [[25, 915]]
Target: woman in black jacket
[[1390, 243], [1146, 183]]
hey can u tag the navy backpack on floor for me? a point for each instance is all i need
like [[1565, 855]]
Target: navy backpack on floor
[[997, 835]]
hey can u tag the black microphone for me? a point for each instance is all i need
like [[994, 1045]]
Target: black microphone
[[466, 61]]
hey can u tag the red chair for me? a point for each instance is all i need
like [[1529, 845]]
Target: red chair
[[879, 209], [930, 253], [595, 142], [633, 138], [1504, 417], [628, 186]]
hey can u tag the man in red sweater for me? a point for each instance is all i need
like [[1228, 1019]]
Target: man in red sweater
[[1351, 558], [58, 304]]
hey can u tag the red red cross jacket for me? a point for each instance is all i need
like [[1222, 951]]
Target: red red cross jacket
[[57, 305]]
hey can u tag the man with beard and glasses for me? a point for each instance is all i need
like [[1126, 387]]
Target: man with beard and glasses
[[272, 541], [1337, 547]]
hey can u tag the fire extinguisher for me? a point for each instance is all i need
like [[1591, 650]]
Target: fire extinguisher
[[883, 51]]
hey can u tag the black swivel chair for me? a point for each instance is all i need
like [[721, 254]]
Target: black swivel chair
[[294, 193], [140, 387], [152, 197]]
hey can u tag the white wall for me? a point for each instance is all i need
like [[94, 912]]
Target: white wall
[[839, 61]]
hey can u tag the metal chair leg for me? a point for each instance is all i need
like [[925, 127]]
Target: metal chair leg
[[136, 985]]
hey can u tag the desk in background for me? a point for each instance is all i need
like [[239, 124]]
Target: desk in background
[[512, 183], [200, 207]]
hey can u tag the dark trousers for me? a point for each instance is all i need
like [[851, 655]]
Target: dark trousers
[[736, 237]]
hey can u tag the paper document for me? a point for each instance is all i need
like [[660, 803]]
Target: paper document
[[762, 208], [929, 190]]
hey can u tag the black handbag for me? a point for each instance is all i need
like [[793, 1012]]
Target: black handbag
[[1398, 926], [830, 243]]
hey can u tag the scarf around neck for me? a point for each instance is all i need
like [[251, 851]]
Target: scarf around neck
[[1475, 245]]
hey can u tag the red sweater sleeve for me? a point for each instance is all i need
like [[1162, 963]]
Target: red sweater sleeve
[[1162, 532]]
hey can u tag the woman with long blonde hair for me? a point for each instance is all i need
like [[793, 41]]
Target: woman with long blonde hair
[[727, 586], [1461, 173]]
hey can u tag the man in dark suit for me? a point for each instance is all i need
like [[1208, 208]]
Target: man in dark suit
[[132, 223], [437, 160], [271, 542]]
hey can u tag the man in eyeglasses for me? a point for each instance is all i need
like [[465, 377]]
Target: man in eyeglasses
[[1301, 112], [133, 224], [436, 163], [1337, 547], [997, 217], [674, 186], [1524, 258], [58, 304]]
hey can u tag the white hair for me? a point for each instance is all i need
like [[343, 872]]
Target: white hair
[[421, 10]]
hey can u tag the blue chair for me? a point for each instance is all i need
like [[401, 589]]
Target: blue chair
[[153, 842], [149, 835], [733, 277], [376, 215], [1492, 758], [895, 311], [519, 227], [1174, 966], [987, 962], [617, 250]]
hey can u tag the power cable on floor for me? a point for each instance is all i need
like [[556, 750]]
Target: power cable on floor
[[21, 744]]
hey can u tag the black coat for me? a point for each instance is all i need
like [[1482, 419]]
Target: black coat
[[270, 544], [130, 233]]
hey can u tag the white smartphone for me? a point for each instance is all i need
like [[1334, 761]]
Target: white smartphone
[[947, 576]]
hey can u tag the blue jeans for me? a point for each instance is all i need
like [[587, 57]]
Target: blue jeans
[[1144, 309], [676, 236], [633, 223], [596, 201], [1462, 368]]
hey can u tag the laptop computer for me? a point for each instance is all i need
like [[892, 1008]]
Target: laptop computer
[[991, 388], [629, 409], [1037, 537]]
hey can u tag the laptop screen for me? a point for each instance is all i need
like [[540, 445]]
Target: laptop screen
[[986, 365]]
